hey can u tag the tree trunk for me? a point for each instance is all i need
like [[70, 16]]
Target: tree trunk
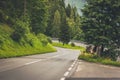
[[100, 50], [63, 43]]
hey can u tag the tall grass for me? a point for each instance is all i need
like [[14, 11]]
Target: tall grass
[[97, 59], [28, 45]]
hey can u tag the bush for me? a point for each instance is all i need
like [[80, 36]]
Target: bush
[[16, 36], [110, 53], [44, 42], [1, 43], [49, 40], [73, 44], [21, 28], [41, 37], [44, 39]]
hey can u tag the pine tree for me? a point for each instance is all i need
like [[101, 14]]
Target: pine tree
[[101, 22], [64, 29], [56, 24]]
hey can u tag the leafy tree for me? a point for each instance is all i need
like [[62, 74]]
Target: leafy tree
[[101, 22], [68, 10], [54, 5], [39, 15], [64, 30]]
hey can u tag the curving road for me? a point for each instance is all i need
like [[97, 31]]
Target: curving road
[[60, 65], [50, 66]]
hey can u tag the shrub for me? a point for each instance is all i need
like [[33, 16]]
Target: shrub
[[43, 38], [1, 43], [44, 42], [73, 44], [21, 28], [110, 53], [16, 36], [49, 40]]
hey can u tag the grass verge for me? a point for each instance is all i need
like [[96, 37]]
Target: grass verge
[[96, 59], [25, 51], [27, 44], [68, 46]]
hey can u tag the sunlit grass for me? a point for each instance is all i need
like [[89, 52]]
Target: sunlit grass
[[25, 51], [68, 46], [97, 59], [28, 45]]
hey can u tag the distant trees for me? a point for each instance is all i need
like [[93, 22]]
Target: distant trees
[[38, 10], [56, 24], [60, 27], [41, 16], [64, 29]]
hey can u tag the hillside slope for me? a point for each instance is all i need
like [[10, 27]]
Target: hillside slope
[[31, 44]]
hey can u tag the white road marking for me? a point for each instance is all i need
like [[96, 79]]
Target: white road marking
[[70, 69], [72, 65], [66, 74], [62, 78], [32, 62], [41, 60], [75, 59]]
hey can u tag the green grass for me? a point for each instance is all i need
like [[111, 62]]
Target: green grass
[[68, 46], [28, 45], [25, 51], [96, 59]]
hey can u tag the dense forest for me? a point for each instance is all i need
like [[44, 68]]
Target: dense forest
[[25, 24], [101, 26]]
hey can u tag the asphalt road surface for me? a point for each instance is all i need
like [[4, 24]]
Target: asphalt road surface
[[61, 65], [94, 71], [50, 66]]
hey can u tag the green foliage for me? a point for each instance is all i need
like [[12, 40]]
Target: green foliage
[[27, 19], [62, 17], [45, 40], [39, 15], [97, 59], [110, 53], [68, 10], [68, 46], [49, 40], [21, 28], [98, 22], [72, 44], [28, 44], [64, 29], [56, 24], [65, 34]]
